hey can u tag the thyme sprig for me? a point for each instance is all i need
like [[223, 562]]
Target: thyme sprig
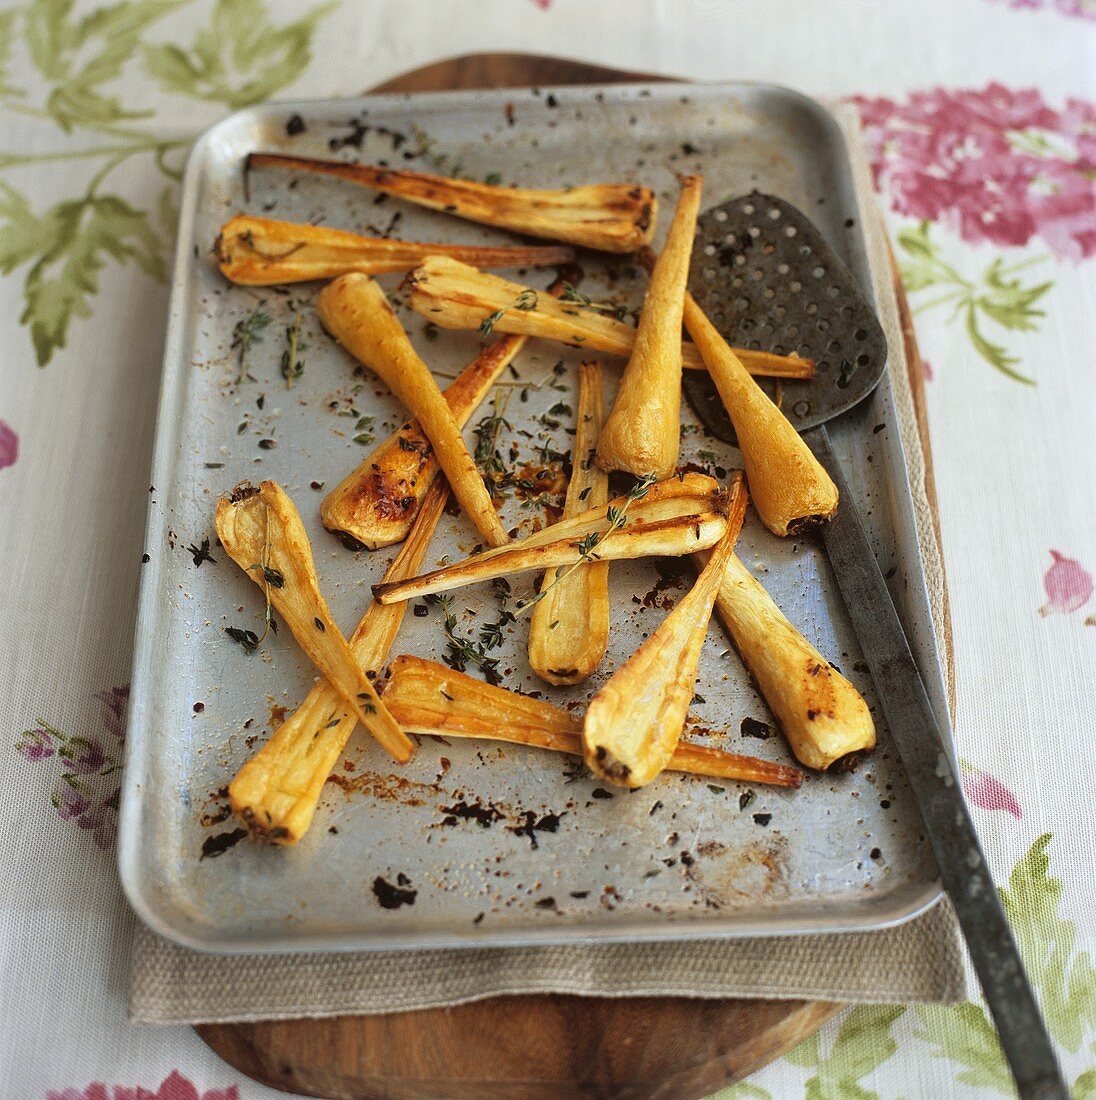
[[570, 294], [588, 546], [247, 332], [462, 652], [527, 300], [292, 367]]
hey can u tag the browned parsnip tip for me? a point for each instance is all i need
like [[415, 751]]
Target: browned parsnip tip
[[569, 627], [276, 792], [253, 251], [667, 519], [634, 722], [430, 698], [453, 295], [643, 432], [355, 311], [262, 532], [611, 217]]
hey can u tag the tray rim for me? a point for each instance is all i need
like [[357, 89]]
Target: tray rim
[[174, 372]]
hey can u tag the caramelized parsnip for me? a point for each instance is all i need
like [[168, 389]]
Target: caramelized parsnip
[[376, 503], [823, 716], [356, 312], [673, 518], [611, 217], [262, 533], [569, 627], [254, 251], [634, 722], [275, 793], [432, 699], [454, 295], [643, 432]]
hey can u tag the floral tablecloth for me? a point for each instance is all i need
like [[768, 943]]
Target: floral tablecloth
[[980, 117]]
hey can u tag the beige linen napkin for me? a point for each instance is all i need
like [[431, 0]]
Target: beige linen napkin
[[918, 961]]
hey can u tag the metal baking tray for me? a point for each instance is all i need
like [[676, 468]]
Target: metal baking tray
[[683, 857]]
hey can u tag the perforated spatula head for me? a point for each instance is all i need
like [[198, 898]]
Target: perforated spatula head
[[768, 280]]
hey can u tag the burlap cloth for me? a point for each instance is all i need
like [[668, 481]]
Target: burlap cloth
[[918, 961]]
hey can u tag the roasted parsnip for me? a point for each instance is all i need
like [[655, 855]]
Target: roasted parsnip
[[788, 486], [666, 519], [429, 698], [262, 533], [643, 432], [569, 627], [611, 217], [264, 252], [823, 716], [356, 312], [376, 503], [275, 793], [633, 724], [454, 295]]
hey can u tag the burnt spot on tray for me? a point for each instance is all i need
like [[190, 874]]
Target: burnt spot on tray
[[546, 823], [391, 896], [220, 843], [471, 811], [751, 727]]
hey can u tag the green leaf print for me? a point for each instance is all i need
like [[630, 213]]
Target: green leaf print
[[1063, 978], [965, 1035], [78, 237], [863, 1043], [743, 1090], [78, 55], [7, 40], [1084, 1088], [240, 58], [998, 297]]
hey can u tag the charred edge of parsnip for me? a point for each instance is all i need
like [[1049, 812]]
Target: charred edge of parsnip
[[430, 698], [455, 296], [569, 627], [642, 434], [356, 312], [611, 217], [634, 722], [262, 532], [254, 251], [276, 792], [674, 517]]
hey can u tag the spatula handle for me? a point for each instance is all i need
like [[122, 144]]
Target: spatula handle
[[928, 766]]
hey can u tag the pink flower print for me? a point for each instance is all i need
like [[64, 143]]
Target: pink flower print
[[174, 1087], [544, 5], [927, 371], [1073, 9], [36, 744], [1068, 586], [115, 707], [997, 165], [83, 757], [986, 792], [102, 821], [9, 445], [69, 800]]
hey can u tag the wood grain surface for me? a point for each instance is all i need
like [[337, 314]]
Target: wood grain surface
[[539, 1047]]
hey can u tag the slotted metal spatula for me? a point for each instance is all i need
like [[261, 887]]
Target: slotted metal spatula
[[767, 279]]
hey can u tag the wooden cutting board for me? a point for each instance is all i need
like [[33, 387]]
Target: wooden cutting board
[[538, 1047]]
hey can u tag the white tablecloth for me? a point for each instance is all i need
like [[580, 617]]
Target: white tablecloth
[[981, 116]]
